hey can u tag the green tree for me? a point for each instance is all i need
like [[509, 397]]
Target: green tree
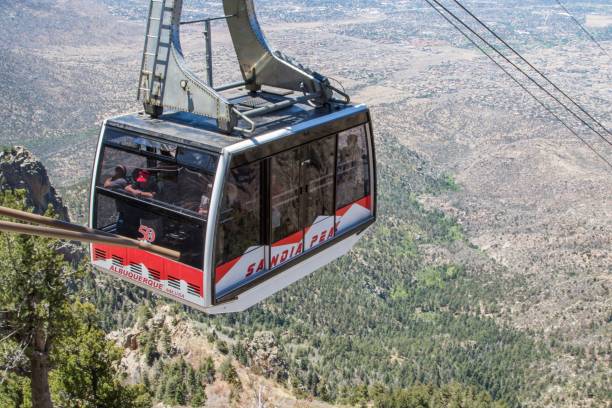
[[207, 370], [228, 373], [86, 373], [15, 391], [34, 300], [166, 341]]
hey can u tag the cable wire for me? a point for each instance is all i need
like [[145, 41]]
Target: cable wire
[[532, 67], [520, 69], [520, 84], [583, 28]]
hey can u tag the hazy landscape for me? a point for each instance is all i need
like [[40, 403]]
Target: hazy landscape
[[491, 265]]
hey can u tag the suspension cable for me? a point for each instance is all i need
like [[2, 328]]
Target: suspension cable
[[522, 71], [583, 28], [520, 84], [536, 70]]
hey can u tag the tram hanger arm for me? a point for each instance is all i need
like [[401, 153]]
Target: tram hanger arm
[[57, 229]]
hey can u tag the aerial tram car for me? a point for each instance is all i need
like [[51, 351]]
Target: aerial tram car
[[253, 185]]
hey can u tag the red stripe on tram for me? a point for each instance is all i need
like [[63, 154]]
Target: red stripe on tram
[[292, 239], [222, 270], [365, 202], [164, 266]]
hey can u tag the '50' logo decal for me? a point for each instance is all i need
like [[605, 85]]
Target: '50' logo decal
[[148, 234]]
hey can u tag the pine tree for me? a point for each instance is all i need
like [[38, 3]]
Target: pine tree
[[166, 341], [34, 299], [85, 373], [207, 370]]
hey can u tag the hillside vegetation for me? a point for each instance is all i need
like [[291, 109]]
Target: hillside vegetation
[[486, 281]]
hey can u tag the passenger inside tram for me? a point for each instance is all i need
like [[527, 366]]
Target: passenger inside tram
[[178, 186], [144, 184], [155, 192], [118, 181]]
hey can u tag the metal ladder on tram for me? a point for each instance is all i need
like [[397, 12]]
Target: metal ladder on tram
[[151, 81]]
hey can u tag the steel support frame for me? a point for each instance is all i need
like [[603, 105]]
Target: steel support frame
[[170, 84]]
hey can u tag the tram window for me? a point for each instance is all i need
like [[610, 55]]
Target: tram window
[[353, 172], [318, 179], [120, 216], [285, 194], [199, 160], [240, 222], [156, 179], [119, 138]]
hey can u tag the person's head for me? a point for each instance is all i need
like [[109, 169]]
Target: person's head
[[120, 172], [352, 139]]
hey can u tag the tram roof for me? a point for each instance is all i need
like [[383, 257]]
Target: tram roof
[[196, 130]]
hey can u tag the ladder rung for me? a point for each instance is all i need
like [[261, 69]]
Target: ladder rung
[[152, 36], [155, 19]]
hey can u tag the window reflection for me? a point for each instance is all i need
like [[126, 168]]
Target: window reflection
[[156, 179], [240, 223], [318, 179], [133, 220], [353, 175], [285, 194]]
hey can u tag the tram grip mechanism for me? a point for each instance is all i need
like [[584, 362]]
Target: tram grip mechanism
[[166, 82]]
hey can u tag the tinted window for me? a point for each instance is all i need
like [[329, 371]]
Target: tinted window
[[120, 138], [353, 172], [133, 220], [285, 194], [156, 179], [198, 160], [317, 164], [240, 219]]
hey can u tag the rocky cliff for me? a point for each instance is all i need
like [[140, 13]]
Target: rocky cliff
[[19, 169]]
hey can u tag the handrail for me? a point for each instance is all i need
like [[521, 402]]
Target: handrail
[[51, 222], [251, 123], [158, 205], [347, 98], [63, 230]]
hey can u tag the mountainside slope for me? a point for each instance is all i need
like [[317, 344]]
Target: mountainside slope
[[506, 288]]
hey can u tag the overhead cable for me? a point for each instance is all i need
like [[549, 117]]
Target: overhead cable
[[535, 69], [583, 28], [547, 108], [523, 72]]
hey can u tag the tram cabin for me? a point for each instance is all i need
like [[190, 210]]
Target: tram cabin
[[249, 216]]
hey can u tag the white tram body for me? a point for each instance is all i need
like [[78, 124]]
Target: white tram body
[[249, 216]]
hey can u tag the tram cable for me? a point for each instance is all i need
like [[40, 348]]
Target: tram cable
[[587, 32], [534, 68], [547, 108], [525, 74]]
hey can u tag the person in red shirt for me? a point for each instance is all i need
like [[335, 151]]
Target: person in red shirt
[[144, 184]]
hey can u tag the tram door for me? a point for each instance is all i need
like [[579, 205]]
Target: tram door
[[302, 199]]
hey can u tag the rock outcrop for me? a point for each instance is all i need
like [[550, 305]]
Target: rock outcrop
[[19, 169]]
